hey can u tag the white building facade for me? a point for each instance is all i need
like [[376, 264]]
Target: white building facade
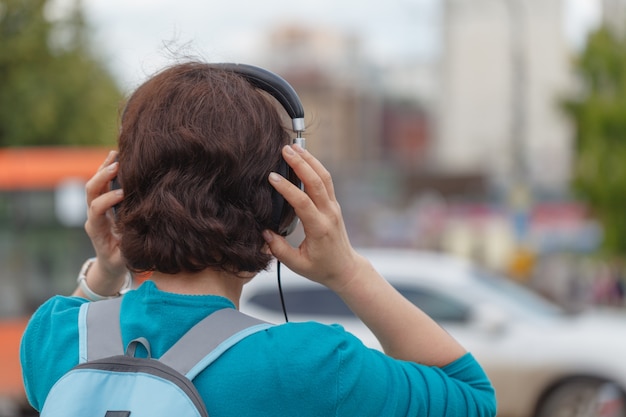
[[614, 15], [505, 65]]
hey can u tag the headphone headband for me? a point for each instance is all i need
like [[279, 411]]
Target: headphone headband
[[276, 86], [285, 94]]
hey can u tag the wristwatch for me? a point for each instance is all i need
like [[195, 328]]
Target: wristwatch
[[93, 296]]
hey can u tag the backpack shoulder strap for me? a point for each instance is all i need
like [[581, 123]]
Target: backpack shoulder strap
[[209, 338], [99, 331], [100, 336]]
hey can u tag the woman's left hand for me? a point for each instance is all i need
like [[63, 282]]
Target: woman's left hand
[[325, 255]]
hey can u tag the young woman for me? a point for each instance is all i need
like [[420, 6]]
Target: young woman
[[199, 147]]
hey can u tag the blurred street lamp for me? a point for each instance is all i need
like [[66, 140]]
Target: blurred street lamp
[[519, 192]]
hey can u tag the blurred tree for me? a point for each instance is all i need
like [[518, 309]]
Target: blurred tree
[[53, 89], [599, 116]]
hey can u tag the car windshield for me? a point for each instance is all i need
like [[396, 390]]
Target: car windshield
[[439, 302], [515, 297]]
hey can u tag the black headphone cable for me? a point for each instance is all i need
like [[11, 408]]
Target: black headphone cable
[[280, 291]]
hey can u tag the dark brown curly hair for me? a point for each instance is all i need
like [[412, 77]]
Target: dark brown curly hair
[[196, 146]]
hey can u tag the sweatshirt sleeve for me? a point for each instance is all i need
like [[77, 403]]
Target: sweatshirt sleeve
[[311, 369], [391, 387], [471, 387], [49, 346]]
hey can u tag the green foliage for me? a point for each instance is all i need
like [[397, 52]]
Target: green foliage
[[53, 89], [599, 116]]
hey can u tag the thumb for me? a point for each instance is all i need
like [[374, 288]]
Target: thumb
[[280, 248]]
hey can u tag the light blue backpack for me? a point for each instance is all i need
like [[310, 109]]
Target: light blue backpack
[[110, 381]]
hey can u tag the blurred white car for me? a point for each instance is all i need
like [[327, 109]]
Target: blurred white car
[[541, 361]]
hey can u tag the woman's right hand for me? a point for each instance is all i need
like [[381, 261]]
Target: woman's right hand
[[107, 274]]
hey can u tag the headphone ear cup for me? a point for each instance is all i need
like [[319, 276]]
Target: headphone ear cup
[[284, 219], [115, 185]]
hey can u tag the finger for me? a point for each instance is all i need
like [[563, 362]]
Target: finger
[[100, 205], [108, 160], [283, 251], [99, 183], [95, 183], [99, 223], [302, 204], [314, 186], [279, 247], [318, 168]]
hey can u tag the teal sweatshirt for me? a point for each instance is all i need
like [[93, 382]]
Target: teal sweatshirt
[[292, 369]]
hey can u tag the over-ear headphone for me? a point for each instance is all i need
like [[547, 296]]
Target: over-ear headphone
[[285, 94]]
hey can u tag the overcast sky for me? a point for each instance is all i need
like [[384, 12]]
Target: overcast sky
[[134, 33]]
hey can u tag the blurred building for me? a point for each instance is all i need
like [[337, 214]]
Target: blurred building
[[369, 125], [614, 15], [504, 67], [405, 136], [406, 181], [338, 88], [362, 118]]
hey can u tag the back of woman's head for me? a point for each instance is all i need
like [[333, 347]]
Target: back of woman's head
[[195, 148]]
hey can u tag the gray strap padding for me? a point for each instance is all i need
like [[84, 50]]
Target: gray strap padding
[[193, 352], [224, 327], [104, 335]]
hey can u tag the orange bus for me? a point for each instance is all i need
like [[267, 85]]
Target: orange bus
[[42, 244]]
